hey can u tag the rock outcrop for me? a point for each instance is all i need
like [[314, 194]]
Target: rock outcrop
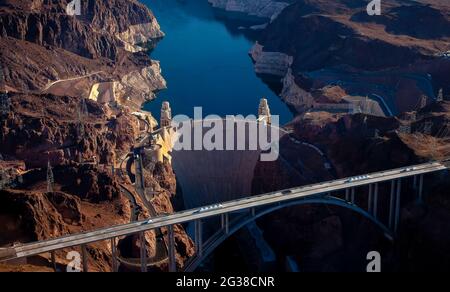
[[270, 63], [47, 127], [294, 95], [84, 198]]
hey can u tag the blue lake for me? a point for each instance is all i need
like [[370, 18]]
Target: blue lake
[[206, 63]]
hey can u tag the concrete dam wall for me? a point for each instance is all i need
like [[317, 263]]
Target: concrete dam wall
[[208, 177]]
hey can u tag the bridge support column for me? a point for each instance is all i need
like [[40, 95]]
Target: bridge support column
[[353, 196], [375, 201], [84, 258], [391, 205], [420, 191], [54, 261], [225, 223], [415, 182], [143, 251], [347, 195], [397, 205], [253, 212], [198, 237], [172, 259], [370, 199], [114, 255]]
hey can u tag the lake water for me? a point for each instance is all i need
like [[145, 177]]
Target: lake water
[[206, 64]]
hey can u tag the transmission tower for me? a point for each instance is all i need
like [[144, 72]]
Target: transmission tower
[[50, 178], [3, 180], [5, 100], [444, 131], [377, 134], [427, 128], [405, 128], [423, 101], [365, 105], [440, 96], [82, 113]]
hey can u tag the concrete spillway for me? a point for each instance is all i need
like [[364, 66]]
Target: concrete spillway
[[207, 177]]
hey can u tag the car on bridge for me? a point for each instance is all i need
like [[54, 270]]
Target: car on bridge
[[358, 178], [209, 208], [409, 169], [287, 192]]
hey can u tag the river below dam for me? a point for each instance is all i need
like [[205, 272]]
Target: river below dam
[[205, 61]]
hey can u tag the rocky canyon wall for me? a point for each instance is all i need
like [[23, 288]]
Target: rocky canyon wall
[[80, 51], [71, 85]]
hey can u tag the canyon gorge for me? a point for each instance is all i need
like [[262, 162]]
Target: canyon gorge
[[355, 94]]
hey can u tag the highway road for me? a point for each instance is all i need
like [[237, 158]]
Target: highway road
[[223, 208], [132, 199], [49, 85]]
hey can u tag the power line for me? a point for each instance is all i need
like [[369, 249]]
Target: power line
[[82, 113]]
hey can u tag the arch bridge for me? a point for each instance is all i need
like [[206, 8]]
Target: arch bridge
[[229, 217]]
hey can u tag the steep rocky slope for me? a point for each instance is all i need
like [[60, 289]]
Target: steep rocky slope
[[44, 49], [397, 55], [43, 128]]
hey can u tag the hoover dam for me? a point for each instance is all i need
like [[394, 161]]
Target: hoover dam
[[210, 176]]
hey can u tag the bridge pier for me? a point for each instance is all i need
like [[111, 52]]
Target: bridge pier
[[370, 199], [347, 195], [114, 255], [172, 259], [353, 196], [143, 251], [198, 237], [397, 205], [84, 258], [375, 202], [391, 205], [225, 222], [420, 192], [53, 256]]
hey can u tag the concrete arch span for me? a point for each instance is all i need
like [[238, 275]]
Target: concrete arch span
[[235, 225]]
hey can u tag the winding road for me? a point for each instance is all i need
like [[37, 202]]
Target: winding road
[[51, 84]]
